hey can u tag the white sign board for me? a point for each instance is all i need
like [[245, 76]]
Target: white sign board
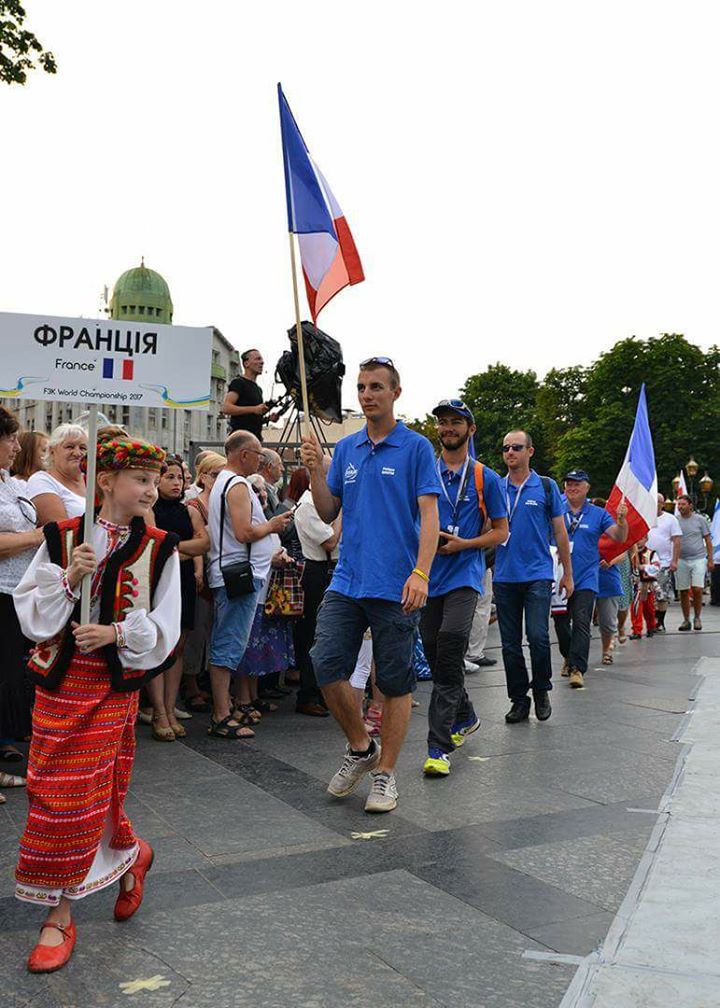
[[104, 361]]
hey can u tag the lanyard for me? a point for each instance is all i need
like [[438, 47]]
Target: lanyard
[[520, 489], [461, 488], [574, 522]]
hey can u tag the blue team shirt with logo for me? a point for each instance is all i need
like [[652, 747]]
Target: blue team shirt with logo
[[467, 568], [379, 485], [594, 521], [527, 557]]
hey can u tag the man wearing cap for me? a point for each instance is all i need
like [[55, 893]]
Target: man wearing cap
[[585, 524], [471, 498]]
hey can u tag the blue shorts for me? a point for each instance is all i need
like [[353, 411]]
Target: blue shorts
[[232, 622], [341, 623]]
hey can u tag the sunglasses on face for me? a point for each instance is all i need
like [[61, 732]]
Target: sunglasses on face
[[384, 361], [513, 447]]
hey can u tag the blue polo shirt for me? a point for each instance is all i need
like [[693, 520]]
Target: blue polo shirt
[[379, 485], [609, 582], [467, 568], [594, 521], [526, 557]]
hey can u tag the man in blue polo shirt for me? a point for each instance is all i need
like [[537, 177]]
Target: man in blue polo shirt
[[471, 495], [524, 576], [385, 480], [585, 524]]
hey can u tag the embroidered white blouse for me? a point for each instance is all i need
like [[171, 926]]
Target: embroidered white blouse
[[43, 607]]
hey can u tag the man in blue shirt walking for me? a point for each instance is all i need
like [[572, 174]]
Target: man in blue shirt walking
[[585, 524], [385, 480], [524, 576], [471, 497]]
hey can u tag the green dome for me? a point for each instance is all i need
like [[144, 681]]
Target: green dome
[[141, 294]]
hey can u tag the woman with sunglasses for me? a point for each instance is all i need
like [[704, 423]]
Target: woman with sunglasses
[[59, 493], [19, 539]]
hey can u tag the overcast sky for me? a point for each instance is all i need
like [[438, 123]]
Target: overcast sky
[[526, 182]]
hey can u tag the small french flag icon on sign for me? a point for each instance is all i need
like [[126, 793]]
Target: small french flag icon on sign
[[126, 370]]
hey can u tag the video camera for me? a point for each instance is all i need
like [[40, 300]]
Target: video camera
[[324, 369]]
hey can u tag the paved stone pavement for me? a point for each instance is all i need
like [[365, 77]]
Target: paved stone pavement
[[260, 895]]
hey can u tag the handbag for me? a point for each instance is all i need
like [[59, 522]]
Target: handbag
[[238, 576], [286, 595]]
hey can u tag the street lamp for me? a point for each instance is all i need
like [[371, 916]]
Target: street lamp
[[706, 485]]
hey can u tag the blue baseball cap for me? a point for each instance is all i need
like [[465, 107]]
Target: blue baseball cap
[[454, 406], [579, 475]]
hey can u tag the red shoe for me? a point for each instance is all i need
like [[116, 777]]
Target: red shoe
[[48, 958], [128, 903]]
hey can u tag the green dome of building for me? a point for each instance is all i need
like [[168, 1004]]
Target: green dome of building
[[141, 294]]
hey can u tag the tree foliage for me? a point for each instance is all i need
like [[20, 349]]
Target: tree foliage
[[20, 49], [582, 417]]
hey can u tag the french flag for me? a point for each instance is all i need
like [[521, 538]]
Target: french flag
[[637, 483], [329, 258]]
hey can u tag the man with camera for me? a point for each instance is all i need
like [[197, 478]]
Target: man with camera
[[385, 480], [471, 498], [242, 544], [243, 403]]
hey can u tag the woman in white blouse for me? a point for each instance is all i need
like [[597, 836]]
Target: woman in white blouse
[[19, 538], [59, 493]]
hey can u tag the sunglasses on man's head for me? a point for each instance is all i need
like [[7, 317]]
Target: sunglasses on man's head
[[513, 447], [452, 403], [384, 361]]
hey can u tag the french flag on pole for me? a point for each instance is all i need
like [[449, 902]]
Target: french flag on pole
[[637, 483], [329, 258]]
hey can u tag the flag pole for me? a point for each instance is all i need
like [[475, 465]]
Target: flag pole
[[89, 507], [299, 334]]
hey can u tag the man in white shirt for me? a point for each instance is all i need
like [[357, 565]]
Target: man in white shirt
[[664, 540]]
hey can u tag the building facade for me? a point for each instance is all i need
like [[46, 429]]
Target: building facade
[[139, 295]]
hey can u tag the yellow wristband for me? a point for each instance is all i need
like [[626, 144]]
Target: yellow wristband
[[422, 574]]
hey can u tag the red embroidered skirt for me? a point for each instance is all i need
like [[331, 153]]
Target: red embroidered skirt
[[79, 767]]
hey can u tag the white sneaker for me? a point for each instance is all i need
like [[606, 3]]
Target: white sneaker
[[383, 793], [352, 771], [182, 715]]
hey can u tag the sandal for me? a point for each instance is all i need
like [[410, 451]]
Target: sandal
[[230, 728], [246, 714], [607, 659], [9, 754], [161, 734], [176, 728], [9, 780]]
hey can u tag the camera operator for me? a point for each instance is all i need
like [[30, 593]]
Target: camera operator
[[243, 404]]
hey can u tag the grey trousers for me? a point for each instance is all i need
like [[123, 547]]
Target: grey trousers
[[445, 627]]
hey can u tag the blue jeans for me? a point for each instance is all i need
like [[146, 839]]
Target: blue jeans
[[232, 622], [530, 599]]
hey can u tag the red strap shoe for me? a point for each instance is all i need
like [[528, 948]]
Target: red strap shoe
[[48, 958], [128, 903]]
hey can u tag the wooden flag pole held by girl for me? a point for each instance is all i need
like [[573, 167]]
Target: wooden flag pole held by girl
[[89, 521]]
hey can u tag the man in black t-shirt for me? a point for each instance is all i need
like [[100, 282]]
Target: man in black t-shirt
[[243, 404]]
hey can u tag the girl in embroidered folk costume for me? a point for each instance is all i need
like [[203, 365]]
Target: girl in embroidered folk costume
[[78, 838]]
